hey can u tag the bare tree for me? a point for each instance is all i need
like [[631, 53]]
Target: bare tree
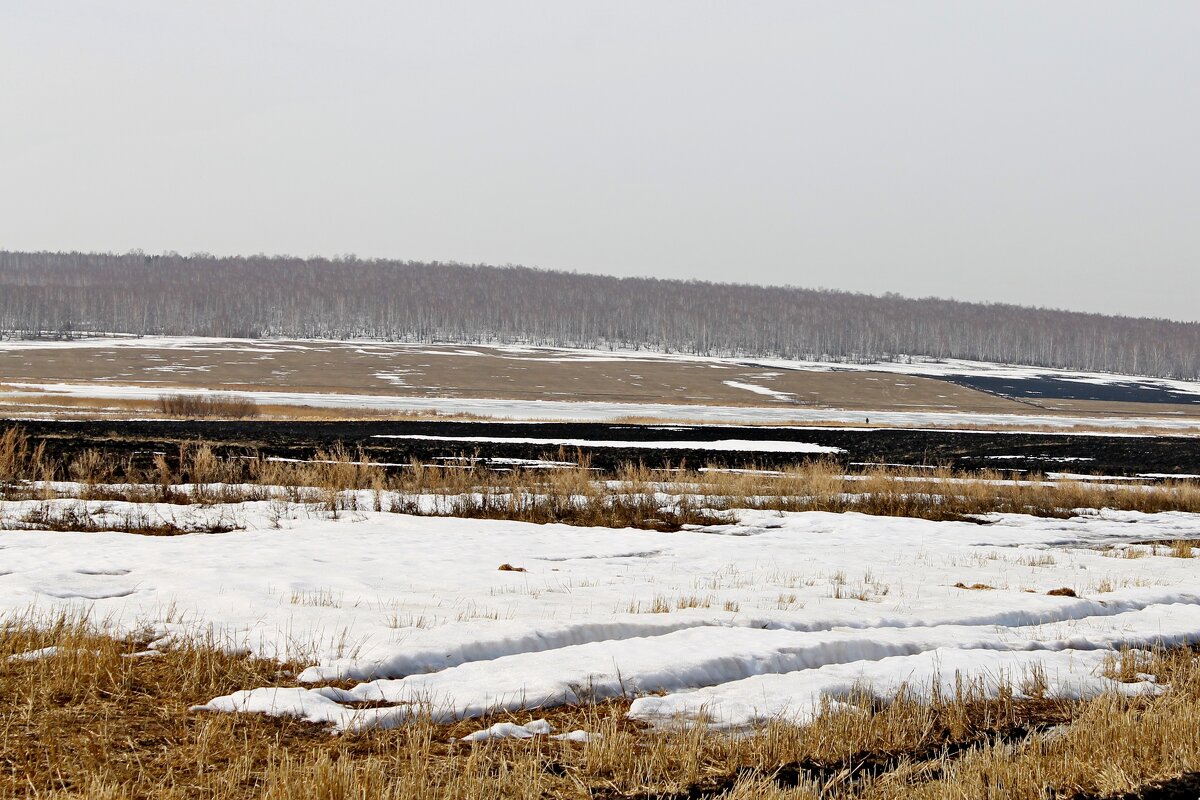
[[71, 294]]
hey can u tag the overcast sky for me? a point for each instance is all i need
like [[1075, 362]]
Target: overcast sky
[[1031, 152]]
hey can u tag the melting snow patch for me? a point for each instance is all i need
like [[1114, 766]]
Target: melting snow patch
[[539, 727], [49, 652], [737, 445], [34, 655], [797, 696], [510, 730], [750, 387]]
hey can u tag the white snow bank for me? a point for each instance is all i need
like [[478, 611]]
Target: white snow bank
[[539, 727], [739, 445], [763, 390], [35, 655], [314, 705], [799, 696], [727, 658], [511, 730], [455, 643]]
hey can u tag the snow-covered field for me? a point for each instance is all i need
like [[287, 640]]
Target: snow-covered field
[[766, 617]]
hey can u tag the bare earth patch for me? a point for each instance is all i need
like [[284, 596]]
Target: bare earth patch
[[457, 372]]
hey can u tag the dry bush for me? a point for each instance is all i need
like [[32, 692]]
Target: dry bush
[[200, 464], [14, 454], [91, 467], [199, 406], [18, 460], [330, 477], [1182, 549]]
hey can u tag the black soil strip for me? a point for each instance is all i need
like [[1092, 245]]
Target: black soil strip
[[1048, 387], [1185, 787], [846, 774], [1017, 452]]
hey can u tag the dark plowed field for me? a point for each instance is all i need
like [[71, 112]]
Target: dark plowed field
[[1102, 455], [1044, 387]]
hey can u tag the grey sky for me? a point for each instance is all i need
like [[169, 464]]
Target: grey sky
[[1033, 152]]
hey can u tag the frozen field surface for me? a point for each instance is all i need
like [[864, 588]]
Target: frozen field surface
[[767, 617]]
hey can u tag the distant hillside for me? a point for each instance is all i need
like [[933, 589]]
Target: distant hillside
[[70, 294]]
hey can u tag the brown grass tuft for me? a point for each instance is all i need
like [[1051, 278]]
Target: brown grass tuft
[[1182, 548], [200, 406]]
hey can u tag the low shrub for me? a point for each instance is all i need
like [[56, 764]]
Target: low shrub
[[195, 406]]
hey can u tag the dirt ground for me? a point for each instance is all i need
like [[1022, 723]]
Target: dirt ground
[[1024, 453], [518, 374]]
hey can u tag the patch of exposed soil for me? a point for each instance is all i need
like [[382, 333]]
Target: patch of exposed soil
[[1185, 787]]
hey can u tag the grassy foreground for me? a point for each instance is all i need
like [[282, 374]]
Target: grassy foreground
[[97, 720]]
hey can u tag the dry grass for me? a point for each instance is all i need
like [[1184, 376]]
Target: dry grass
[[666, 499], [930, 494], [206, 406], [33, 401], [20, 461], [96, 721], [40, 402], [1182, 549]]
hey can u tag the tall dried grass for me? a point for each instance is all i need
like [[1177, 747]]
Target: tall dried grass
[[634, 496], [933, 494], [200, 406], [64, 405], [99, 718]]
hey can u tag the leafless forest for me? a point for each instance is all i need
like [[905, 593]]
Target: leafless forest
[[71, 294]]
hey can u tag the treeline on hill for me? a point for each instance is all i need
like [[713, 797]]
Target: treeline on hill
[[72, 294]]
